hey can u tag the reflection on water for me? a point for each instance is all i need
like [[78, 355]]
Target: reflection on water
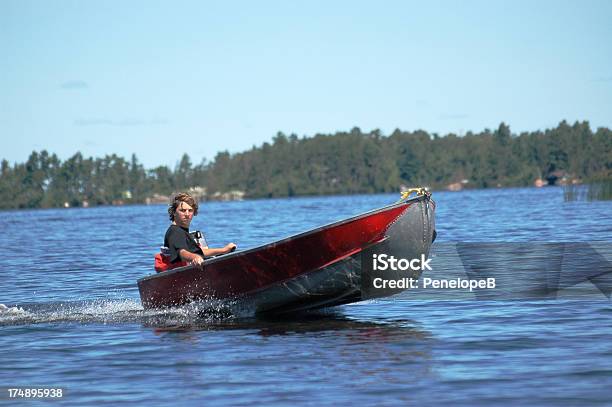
[[594, 191], [327, 350], [325, 322]]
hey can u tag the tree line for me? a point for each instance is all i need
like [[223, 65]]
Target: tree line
[[341, 163]]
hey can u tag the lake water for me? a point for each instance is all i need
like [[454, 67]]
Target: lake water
[[75, 321]]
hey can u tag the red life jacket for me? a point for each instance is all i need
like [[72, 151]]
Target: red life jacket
[[162, 263]]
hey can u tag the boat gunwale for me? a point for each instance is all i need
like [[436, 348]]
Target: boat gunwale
[[224, 257]]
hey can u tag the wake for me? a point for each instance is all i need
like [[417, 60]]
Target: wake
[[121, 312]]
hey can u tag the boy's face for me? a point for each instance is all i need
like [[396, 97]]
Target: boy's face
[[183, 215]]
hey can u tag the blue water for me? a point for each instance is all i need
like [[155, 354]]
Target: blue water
[[75, 321]]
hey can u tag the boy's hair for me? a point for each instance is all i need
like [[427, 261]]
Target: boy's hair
[[176, 201]]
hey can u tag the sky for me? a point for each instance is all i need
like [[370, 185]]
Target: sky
[[160, 79]]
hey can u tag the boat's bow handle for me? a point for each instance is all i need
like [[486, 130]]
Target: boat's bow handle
[[419, 190]]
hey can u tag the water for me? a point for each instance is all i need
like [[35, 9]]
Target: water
[[74, 320]]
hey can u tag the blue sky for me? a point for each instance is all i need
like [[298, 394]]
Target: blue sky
[[163, 78]]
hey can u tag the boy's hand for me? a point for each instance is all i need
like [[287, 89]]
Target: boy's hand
[[198, 261]]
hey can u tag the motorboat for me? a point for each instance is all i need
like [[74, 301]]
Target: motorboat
[[323, 267]]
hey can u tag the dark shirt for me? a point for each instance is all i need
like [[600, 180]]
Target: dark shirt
[[178, 238]]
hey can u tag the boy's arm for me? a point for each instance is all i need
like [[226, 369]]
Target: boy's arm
[[190, 257], [230, 247]]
